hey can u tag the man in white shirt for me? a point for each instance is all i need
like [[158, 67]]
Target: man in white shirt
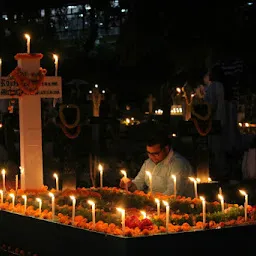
[[163, 162]]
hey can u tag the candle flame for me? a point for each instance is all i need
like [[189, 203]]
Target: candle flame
[[24, 197], [51, 194], [39, 200], [198, 180], [192, 179], [209, 179], [55, 175], [120, 209], [100, 167], [72, 198], [3, 172], [149, 174], [174, 177], [165, 203], [157, 200], [178, 90], [55, 57], [202, 198], [143, 213], [243, 192], [27, 36], [12, 195], [220, 197], [1, 191], [90, 202], [124, 173]]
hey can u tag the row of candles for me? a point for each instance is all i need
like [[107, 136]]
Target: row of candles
[[28, 38], [122, 210]]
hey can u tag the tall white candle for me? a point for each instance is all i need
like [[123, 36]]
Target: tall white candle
[[174, 185], [195, 185], [39, 200], [167, 213], [90, 202], [53, 205], [13, 200], [3, 178], [125, 179], [220, 196], [101, 175], [73, 208], [27, 36], [157, 206], [122, 211], [220, 190], [245, 203], [16, 182], [55, 175], [25, 203], [2, 196], [56, 62], [150, 181], [203, 208]]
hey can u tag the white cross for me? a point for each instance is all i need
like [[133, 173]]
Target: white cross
[[30, 126]]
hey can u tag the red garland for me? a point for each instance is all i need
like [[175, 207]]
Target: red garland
[[68, 134], [28, 83]]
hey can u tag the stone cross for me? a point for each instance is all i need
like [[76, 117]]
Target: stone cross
[[30, 123], [96, 97], [150, 101]]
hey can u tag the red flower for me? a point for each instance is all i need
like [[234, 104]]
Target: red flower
[[146, 224], [132, 222]]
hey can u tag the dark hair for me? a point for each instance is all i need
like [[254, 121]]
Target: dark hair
[[216, 73], [160, 137]]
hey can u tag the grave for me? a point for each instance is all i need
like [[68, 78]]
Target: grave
[[28, 83]]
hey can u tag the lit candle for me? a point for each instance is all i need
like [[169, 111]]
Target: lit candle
[[221, 202], [209, 180], [150, 181], [55, 175], [73, 208], [101, 175], [16, 182], [56, 60], [245, 203], [28, 42], [53, 205], [2, 196], [195, 185], [125, 179], [220, 191], [203, 208], [157, 206], [39, 200], [13, 200], [122, 211], [167, 210], [174, 185], [144, 215], [25, 203], [3, 178], [90, 202]]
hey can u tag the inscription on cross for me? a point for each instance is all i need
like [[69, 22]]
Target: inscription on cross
[[96, 97], [29, 85]]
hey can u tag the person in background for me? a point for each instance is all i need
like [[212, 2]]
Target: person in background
[[163, 162]]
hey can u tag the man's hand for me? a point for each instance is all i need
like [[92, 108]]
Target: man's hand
[[127, 183]]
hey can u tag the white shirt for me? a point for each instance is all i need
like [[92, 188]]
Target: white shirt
[[162, 182]]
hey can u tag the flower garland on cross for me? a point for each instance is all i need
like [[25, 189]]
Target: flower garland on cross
[[28, 83], [202, 122], [66, 128]]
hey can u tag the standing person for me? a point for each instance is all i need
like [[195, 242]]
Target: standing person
[[163, 162], [217, 143]]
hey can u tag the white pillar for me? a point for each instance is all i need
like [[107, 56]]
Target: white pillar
[[30, 130]]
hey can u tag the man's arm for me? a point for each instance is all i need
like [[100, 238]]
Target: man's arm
[[139, 180]]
